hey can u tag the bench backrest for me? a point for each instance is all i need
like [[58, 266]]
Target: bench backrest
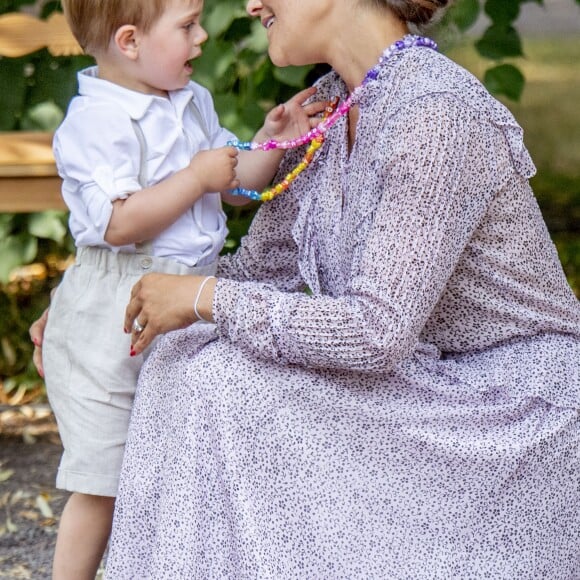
[[22, 34], [28, 176]]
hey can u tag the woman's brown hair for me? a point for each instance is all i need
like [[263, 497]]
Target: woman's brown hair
[[418, 12]]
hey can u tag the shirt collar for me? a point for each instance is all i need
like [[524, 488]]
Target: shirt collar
[[136, 104]]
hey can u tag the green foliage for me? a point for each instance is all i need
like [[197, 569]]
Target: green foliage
[[498, 42], [464, 14], [505, 79], [25, 237]]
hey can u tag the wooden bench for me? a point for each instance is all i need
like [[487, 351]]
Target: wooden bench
[[28, 177]]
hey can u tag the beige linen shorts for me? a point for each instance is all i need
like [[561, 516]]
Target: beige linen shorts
[[90, 377]]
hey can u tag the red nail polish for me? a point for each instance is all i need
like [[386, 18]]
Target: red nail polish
[[132, 353]]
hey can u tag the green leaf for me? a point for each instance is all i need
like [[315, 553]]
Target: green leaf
[[505, 79], [5, 224], [502, 11], [257, 41], [45, 116], [219, 18], [15, 251], [213, 65], [226, 107], [47, 224], [292, 75], [13, 82], [498, 42], [56, 78], [464, 13]]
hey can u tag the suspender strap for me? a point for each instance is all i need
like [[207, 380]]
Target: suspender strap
[[147, 246], [199, 117]]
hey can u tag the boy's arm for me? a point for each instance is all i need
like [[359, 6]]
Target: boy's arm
[[287, 121], [147, 212]]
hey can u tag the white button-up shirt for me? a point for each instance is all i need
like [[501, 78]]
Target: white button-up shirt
[[98, 155]]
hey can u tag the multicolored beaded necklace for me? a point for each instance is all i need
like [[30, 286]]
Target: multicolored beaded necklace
[[316, 135]]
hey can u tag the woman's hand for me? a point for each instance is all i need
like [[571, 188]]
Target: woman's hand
[[164, 302], [36, 333]]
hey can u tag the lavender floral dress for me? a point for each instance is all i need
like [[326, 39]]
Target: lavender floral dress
[[416, 416]]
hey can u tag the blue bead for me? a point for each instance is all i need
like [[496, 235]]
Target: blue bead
[[240, 191], [240, 145]]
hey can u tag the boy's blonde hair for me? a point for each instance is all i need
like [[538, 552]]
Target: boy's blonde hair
[[93, 22]]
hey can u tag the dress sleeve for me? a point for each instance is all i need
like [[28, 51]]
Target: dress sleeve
[[268, 253], [435, 182]]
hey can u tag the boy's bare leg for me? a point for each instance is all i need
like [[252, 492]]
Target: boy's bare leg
[[83, 533]]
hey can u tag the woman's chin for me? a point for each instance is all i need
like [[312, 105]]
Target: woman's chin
[[281, 59], [278, 57], [277, 60]]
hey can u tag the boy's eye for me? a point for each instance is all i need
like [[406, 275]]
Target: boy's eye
[[189, 25]]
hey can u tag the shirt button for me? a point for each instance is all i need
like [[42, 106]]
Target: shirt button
[[146, 263]]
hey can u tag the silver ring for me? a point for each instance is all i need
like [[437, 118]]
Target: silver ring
[[137, 327]]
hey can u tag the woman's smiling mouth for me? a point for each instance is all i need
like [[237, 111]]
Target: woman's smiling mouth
[[267, 22]]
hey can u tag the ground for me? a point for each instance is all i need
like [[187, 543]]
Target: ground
[[29, 503]]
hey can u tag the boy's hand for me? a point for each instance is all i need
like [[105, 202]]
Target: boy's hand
[[215, 169], [293, 118]]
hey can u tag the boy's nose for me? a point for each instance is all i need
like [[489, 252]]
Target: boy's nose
[[253, 7], [203, 35]]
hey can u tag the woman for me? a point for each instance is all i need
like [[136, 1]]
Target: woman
[[416, 414]]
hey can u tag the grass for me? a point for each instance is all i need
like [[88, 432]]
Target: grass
[[550, 116]]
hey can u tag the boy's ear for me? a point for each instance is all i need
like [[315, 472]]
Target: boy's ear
[[127, 40]]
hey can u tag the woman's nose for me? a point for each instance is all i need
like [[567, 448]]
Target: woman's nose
[[253, 7]]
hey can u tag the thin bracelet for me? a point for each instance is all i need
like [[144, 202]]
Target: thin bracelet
[[199, 291]]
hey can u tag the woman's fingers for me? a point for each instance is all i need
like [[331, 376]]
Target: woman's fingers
[[36, 332], [159, 303], [315, 108], [141, 340], [37, 360], [133, 308]]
